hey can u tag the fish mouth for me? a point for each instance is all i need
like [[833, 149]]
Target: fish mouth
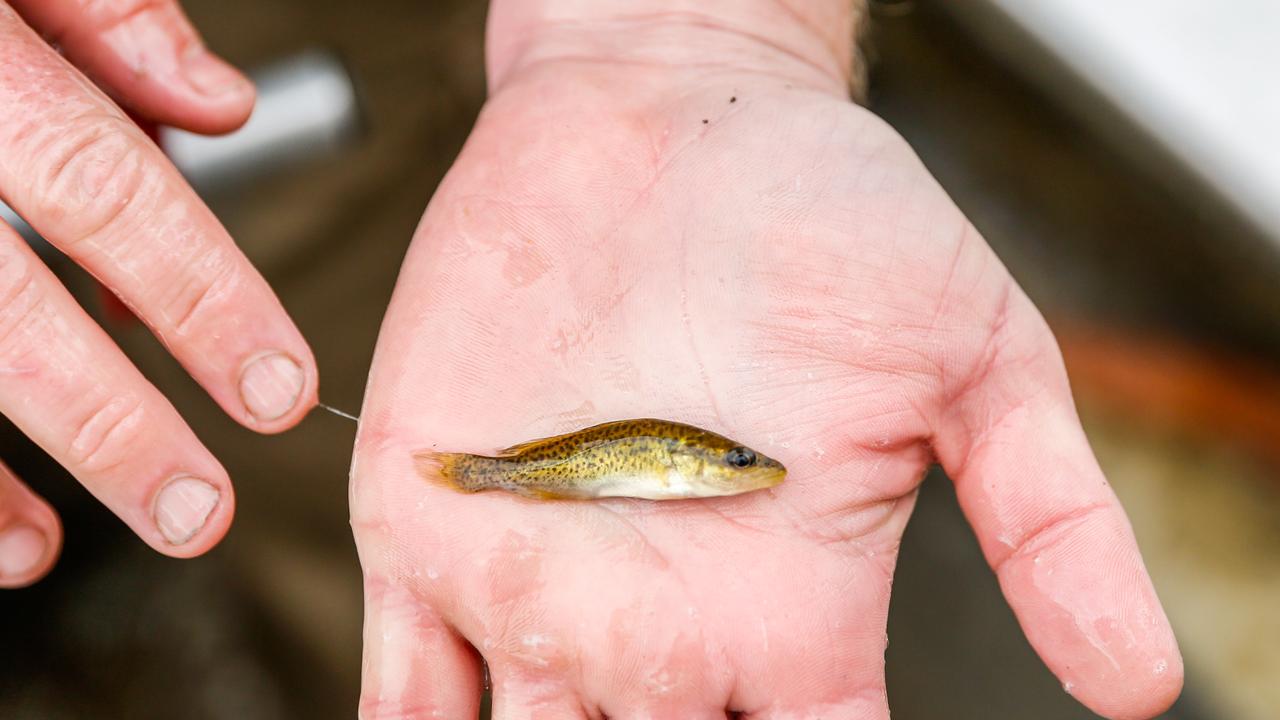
[[767, 477]]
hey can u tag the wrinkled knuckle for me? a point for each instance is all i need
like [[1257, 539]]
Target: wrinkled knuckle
[[93, 171], [204, 291], [1055, 529], [23, 303], [105, 15], [106, 434], [17, 276]]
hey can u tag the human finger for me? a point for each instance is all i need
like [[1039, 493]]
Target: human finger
[[148, 56], [1053, 530], [415, 666], [97, 188], [30, 534], [71, 390]]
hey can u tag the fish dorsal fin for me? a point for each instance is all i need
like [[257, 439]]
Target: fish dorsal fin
[[596, 433], [524, 447]]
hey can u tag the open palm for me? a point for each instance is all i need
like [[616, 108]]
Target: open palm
[[772, 264]]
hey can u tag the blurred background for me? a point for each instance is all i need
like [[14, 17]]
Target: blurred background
[[1124, 164]]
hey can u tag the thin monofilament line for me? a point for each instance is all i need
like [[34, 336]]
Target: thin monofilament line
[[338, 412]]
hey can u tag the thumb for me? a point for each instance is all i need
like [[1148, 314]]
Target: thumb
[[1051, 527]]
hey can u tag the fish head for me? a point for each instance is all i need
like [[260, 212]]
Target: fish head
[[725, 468]]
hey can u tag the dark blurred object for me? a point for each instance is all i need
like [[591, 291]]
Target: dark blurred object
[[1094, 221], [1182, 88], [140, 639], [307, 108]]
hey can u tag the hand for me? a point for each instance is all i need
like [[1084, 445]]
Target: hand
[[96, 187], [729, 243]]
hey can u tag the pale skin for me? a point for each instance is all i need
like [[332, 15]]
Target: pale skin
[[97, 188], [680, 214], [786, 274]]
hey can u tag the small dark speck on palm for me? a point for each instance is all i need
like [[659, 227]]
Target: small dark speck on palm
[[733, 99]]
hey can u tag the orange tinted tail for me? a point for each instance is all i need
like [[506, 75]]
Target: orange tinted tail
[[439, 468]]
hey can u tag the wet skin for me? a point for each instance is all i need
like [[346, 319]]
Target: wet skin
[[787, 273]]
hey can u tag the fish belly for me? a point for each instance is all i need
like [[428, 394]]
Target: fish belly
[[648, 486]]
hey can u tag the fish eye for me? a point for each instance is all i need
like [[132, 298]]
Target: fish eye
[[740, 457]]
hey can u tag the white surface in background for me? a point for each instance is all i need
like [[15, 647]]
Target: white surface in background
[[306, 106], [1202, 77]]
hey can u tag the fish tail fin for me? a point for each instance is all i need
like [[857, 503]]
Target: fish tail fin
[[442, 469]]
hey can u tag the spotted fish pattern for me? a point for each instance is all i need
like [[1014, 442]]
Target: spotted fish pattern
[[642, 458]]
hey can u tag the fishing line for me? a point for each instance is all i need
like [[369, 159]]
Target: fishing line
[[338, 412]]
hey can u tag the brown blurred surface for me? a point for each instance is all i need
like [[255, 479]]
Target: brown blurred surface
[[267, 626]]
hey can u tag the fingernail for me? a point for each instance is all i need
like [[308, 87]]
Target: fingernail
[[270, 386], [211, 75], [21, 549], [182, 508]]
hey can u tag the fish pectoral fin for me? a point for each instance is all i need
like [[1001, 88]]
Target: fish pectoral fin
[[675, 475], [540, 494]]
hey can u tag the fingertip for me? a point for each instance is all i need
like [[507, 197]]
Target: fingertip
[[1167, 688], [190, 515], [277, 390], [1145, 692], [220, 96], [29, 548], [1146, 701], [30, 533], [199, 92], [1162, 692], [216, 79], [1089, 608]]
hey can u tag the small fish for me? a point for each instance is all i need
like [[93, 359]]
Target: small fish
[[649, 459]]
